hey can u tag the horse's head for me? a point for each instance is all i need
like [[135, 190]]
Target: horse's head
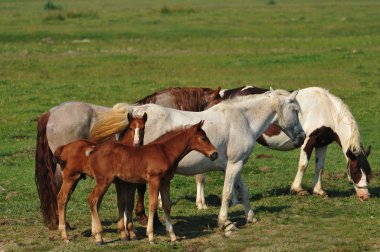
[[287, 109], [201, 143], [212, 98], [134, 133], [359, 171]]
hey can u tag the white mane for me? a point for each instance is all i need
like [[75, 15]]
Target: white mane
[[345, 117]]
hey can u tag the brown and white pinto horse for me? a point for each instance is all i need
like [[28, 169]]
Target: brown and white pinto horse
[[325, 119], [154, 163], [71, 121]]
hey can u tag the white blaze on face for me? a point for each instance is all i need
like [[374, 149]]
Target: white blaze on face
[[361, 187], [136, 138]]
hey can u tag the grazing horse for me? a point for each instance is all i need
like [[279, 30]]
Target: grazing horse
[[154, 164], [232, 126], [71, 121], [325, 118]]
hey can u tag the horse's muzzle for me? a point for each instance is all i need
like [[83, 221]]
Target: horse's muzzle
[[298, 142], [214, 156]]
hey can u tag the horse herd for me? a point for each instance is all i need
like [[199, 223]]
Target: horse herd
[[151, 140]]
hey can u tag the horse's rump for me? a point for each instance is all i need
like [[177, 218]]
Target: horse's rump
[[44, 175]]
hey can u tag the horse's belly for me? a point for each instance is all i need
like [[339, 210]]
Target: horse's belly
[[195, 163], [280, 142]]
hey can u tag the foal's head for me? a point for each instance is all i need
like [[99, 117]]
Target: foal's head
[[359, 171], [133, 135], [287, 109], [201, 143]]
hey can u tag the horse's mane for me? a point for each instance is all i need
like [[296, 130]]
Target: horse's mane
[[186, 98], [272, 95], [345, 116]]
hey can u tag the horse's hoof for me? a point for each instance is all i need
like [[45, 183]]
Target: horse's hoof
[[322, 194], [252, 221], [175, 242], [230, 226], [300, 192], [152, 242], [100, 243], [66, 241], [143, 221]]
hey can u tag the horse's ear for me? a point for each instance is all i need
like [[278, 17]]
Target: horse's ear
[[216, 94], [368, 151], [145, 117], [200, 124], [130, 117], [271, 89], [293, 95]]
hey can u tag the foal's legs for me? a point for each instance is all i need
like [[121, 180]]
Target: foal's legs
[[69, 182], [140, 211], [121, 192], [166, 205], [200, 179], [320, 155], [154, 185], [94, 198], [131, 189], [302, 165]]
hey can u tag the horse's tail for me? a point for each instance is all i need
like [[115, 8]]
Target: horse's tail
[[110, 123], [44, 175]]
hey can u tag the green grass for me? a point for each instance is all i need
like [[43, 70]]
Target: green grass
[[106, 52]]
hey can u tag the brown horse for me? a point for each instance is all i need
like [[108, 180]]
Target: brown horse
[[154, 164], [74, 120], [133, 135]]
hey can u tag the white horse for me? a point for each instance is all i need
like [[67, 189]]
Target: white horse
[[232, 126], [325, 119]]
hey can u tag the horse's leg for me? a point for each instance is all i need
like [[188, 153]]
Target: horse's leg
[[240, 186], [94, 198], [200, 179], [62, 199], [121, 192], [131, 189], [303, 162], [232, 171], [320, 155], [166, 204], [140, 210], [154, 185]]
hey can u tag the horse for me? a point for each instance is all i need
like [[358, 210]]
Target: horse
[[82, 117], [325, 118], [71, 121], [154, 163], [232, 126]]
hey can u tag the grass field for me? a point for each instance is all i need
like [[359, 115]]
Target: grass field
[[105, 52]]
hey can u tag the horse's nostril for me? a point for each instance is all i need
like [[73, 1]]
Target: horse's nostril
[[214, 156]]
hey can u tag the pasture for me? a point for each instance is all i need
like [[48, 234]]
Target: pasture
[[105, 52]]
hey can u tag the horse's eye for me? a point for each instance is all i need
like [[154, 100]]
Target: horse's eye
[[204, 138]]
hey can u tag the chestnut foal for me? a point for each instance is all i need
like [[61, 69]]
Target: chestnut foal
[[154, 164], [133, 135]]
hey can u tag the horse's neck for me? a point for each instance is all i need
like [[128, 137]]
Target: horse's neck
[[127, 138], [259, 113], [176, 148], [344, 126]]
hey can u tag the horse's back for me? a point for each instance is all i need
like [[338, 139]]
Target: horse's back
[[71, 121]]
